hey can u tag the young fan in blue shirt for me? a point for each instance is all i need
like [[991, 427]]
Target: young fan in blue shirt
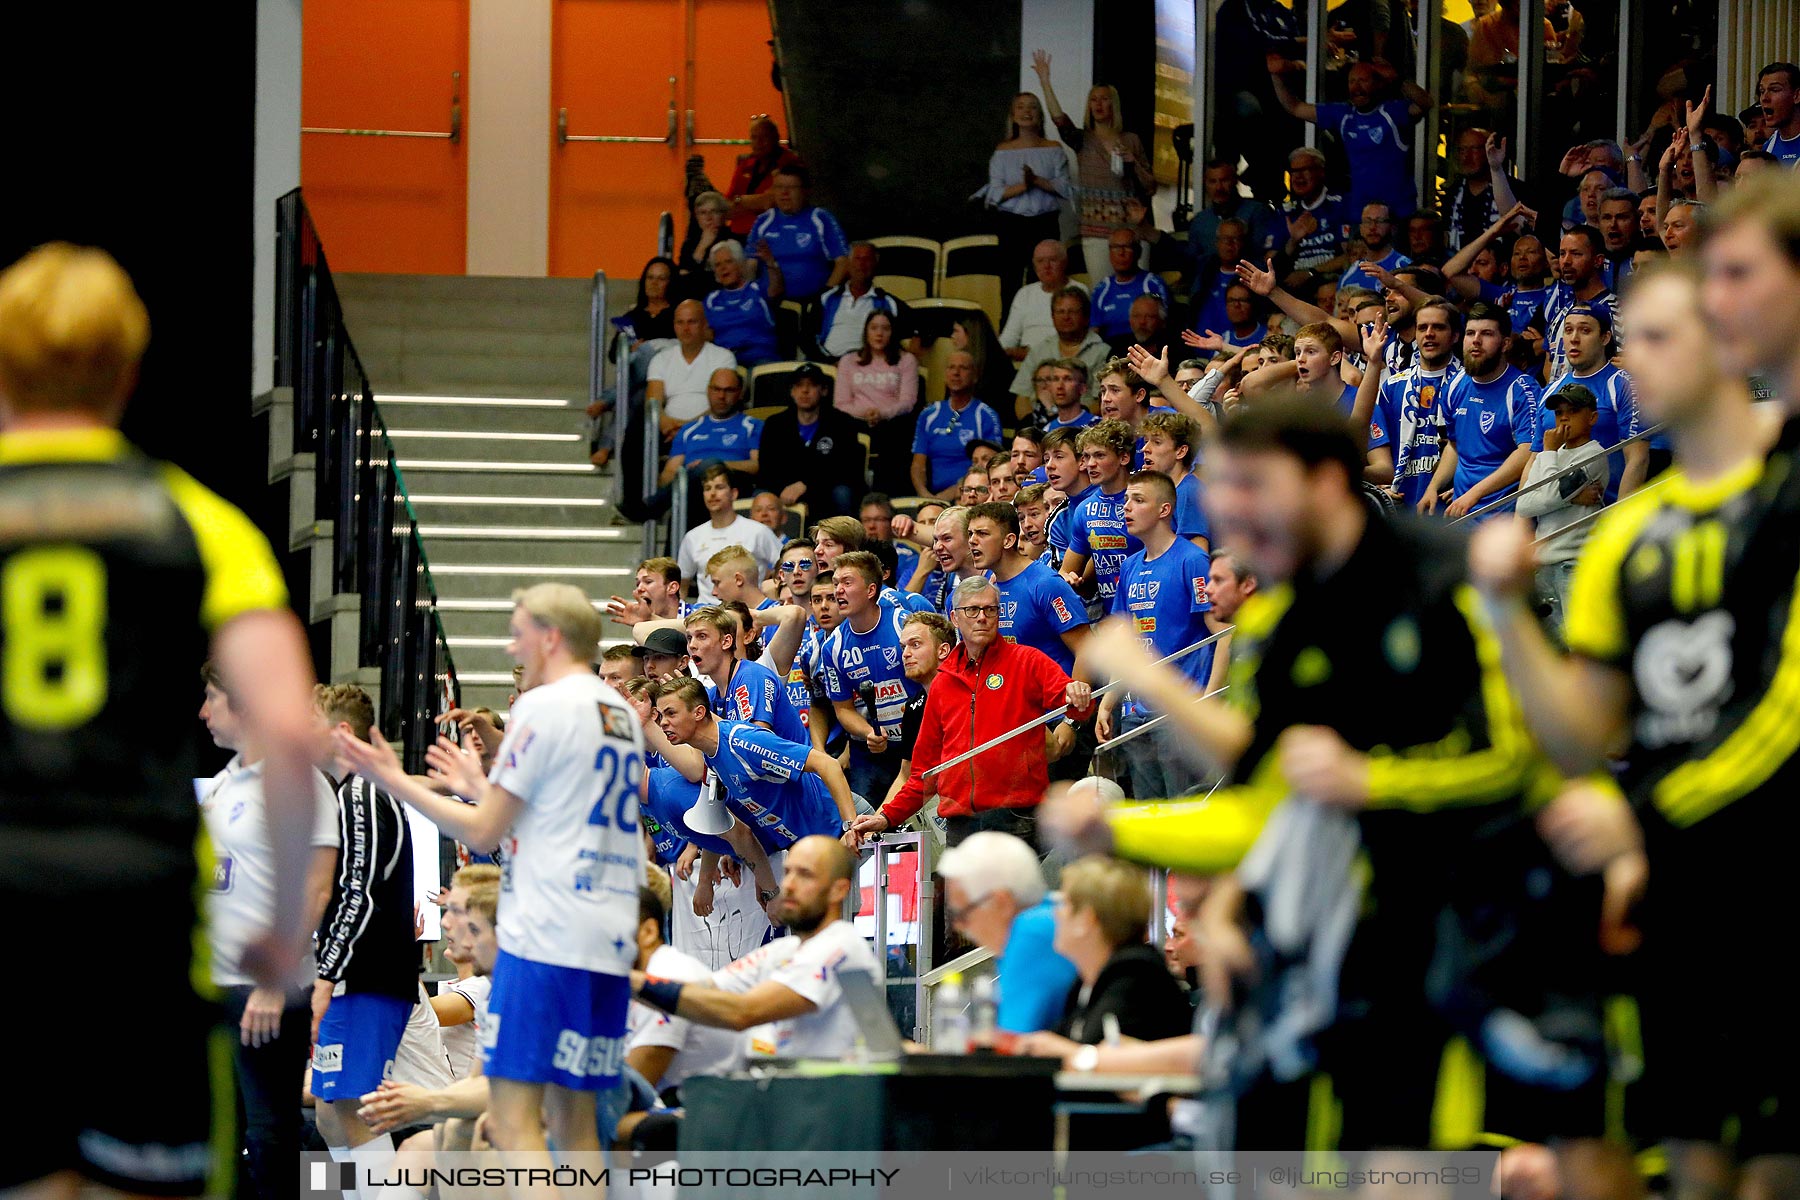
[[1162, 589], [865, 649], [1097, 534], [1588, 338], [782, 790], [1038, 608]]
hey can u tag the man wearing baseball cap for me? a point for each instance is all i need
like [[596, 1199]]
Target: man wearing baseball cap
[[664, 652], [1562, 508], [811, 451], [1587, 332]]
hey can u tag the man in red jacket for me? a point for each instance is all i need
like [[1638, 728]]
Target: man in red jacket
[[987, 687]]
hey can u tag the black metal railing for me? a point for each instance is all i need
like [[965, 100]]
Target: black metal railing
[[376, 549]]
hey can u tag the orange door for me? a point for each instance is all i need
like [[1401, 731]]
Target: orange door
[[729, 81], [374, 75], [613, 71], [634, 84]]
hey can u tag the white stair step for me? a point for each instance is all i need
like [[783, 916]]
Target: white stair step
[[520, 501], [500, 643], [490, 465], [453, 570], [497, 605], [520, 533], [482, 435], [425, 401]]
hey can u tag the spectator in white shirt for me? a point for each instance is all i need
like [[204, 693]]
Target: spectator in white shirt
[[273, 1025], [1562, 508], [1028, 318], [679, 375], [668, 1050], [724, 527]]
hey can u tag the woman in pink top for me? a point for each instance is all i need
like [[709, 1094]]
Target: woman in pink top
[[879, 386]]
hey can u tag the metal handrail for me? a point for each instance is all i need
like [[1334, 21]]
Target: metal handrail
[[454, 136], [665, 235], [1048, 717], [376, 552]]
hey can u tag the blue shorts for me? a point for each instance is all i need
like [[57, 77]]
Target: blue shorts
[[558, 1025], [358, 1038]]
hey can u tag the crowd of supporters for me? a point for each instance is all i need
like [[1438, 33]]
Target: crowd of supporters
[[1469, 841]]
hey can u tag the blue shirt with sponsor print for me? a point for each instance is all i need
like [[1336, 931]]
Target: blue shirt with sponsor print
[[1097, 530], [671, 795], [1190, 509], [935, 591], [1378, 144], [1412, 415], [1355, 276], [942, 434], [1209, 302], [767, 788], [1037, 606], [912, 602], [732, 439], [1617, 418], [1346, 402], [1083, 418], [1488, 421], [1520, 303], [1166, 598], [743, 322], [753, 693], [1112, 301], [1786, 149], [806, 245], [851, 659], [1057, 530], [1336, 221], [906, 561]]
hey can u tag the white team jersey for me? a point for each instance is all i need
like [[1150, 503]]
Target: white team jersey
[[737, 925], [699, 1049], [574, 754], [421, 1058], [462, 1043], [241, 903], [809, 968]]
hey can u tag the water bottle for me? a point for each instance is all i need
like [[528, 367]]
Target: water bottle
[[951, 1032], [985, 1023]]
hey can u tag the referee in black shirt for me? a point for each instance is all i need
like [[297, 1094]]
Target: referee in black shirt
[[117, 573]]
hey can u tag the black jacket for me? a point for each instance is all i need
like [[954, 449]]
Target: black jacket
[[833, 459], [366, 939], [1135, 987]]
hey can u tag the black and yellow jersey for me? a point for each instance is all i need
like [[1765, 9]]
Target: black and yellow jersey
[[114, 572], [1690, 591], [1392, 652]]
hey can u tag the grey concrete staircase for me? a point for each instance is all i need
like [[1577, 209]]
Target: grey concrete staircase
[[482, 382]]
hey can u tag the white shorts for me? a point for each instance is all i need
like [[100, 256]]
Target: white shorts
[[737, 925]]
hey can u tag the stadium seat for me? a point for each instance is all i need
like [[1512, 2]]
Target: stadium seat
[[982, 289], [768, 386], [977, 254], [903, 287], [905, 259], [796, 516]]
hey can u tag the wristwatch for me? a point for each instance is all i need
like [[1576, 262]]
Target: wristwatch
[[765, 897], [1086, 1059]]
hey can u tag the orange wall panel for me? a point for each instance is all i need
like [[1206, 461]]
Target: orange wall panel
[[385, 203]]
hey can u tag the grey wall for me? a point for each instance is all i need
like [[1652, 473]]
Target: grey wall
[[897, 106]]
